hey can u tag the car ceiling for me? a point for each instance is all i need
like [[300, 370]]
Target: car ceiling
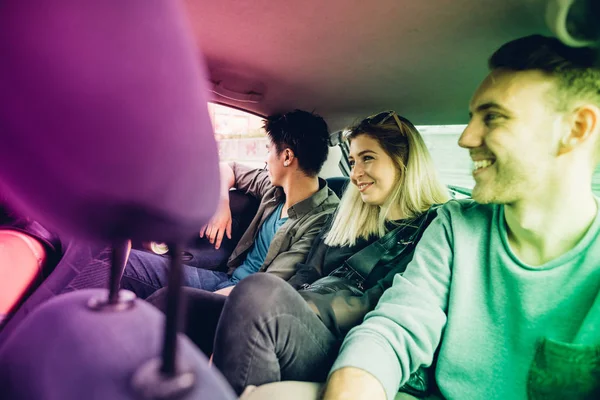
[[347, 59]]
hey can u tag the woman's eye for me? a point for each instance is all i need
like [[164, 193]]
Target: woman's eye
[[351, 162], [367, 158]]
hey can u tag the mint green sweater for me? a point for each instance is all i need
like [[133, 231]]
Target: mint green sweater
[[467, 292]]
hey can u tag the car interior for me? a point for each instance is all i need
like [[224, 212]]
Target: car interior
[[343, 59]]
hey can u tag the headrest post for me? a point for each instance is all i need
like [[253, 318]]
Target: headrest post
[[120, 254], [169, 376], [174, 312], [117, 300]]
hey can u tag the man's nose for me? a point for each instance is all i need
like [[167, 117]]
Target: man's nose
[[472, 136]]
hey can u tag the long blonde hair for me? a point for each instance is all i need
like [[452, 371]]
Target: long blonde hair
[[417, 189]]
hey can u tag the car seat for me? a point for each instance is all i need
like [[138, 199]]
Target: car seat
[[105, 138]]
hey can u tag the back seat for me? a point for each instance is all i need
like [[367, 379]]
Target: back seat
[[200, 253], [338, 184]]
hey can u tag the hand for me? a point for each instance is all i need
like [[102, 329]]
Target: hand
[[219, 225], [353, 383], [249, 389], [225, 291]]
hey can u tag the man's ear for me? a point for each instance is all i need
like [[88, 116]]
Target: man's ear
[[584, 127], [288, 157]]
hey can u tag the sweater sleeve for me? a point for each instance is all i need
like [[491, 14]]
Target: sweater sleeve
[[403, 332]]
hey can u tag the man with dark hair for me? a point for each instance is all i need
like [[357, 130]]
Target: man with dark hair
[[505, 290], [302, 132], [294, 205]]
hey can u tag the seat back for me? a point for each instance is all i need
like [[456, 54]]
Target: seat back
[[338, 184], [202, 254], [82, 265], [105, 137]]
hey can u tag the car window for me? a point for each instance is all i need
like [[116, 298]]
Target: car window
[[453, 162], [239, 134], [241, 138]]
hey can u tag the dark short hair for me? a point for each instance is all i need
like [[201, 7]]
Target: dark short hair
[[576, 70], [305, 133]]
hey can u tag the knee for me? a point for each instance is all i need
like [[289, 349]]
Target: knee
[[135, 266], [259, 283], [142, 263], [259, 292], [159, 299]]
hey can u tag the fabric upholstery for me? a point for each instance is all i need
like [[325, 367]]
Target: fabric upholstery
[[82, 265], [338, 184], [67, 351], [105, 129]]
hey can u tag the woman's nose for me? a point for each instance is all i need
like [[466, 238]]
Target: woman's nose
[[356, 172]]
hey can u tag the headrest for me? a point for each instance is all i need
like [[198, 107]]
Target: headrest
[[104, 125], [67, 351]]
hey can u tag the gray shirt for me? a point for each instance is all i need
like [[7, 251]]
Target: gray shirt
[[293, 240]]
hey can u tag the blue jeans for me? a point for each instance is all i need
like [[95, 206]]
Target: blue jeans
[[145, 273]]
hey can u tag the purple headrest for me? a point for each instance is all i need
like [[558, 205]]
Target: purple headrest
[[104, 127]]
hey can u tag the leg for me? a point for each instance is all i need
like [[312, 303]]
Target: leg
[[268, 333], [203, 310], [291, 390], [145, 273]]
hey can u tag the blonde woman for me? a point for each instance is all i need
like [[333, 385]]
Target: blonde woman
[[268, 330]]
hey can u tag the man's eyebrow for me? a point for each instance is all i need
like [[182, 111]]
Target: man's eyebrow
[[489, 105], [363, 153]]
